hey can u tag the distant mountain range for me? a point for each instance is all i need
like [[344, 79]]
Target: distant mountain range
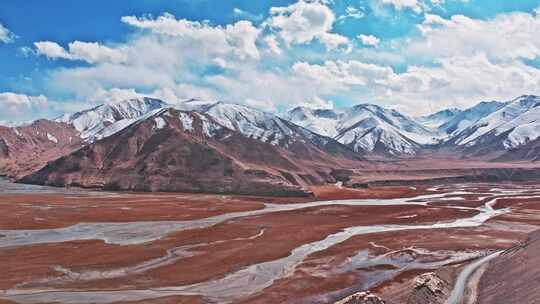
[[205, 146], [368, 128], [488, 128]]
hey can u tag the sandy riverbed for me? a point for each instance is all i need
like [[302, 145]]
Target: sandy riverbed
[[342, 241]]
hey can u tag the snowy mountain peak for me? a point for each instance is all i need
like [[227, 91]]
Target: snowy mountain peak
[[305, 112], [512, 124], [112, 115], [466, 118], [364, 127], [526, 101], [255, 124], [438, 119], [299, 113], [320, 121], [367, 128], [493, 125]]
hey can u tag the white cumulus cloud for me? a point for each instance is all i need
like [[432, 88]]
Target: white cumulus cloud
[[352, 12], [455, 82], [305, 21], [505, 37], [414, 5], [19, 107], [6, 36], [239, 37], [91, 52], [343, 73], [369, 40], [454, 61]]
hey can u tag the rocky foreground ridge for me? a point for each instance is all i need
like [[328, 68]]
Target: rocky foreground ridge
[[506, 279]]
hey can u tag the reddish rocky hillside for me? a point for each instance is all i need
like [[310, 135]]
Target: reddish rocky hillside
[[514, 276], [173, 150], [27, 148]]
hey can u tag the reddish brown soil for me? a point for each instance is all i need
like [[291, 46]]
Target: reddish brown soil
[[214, 259], [52, 211], [21, 213], [169, 300], [283, 232], [305, 282], [514, 276], [38, 211], [334, 193]]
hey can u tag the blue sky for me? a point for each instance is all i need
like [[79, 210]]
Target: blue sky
[[414, 55]]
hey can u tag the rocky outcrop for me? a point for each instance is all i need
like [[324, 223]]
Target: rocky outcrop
[[430, 288], [364, 297]]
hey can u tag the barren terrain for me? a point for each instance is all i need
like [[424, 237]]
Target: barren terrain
[[78, 246]]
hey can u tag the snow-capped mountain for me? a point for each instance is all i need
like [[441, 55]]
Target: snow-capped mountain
[[367, 128], [514, 124], [486, 128], [110, 117], [256, 124], [321, 121], [204, 151], [466, 118], [438, 119]]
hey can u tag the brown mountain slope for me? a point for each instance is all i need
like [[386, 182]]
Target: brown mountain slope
[[514, 276], [188, 151], [27, 148]]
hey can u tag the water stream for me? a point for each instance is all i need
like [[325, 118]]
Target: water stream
[[249, 280], [130, 233], [237, 285], [456, 297]]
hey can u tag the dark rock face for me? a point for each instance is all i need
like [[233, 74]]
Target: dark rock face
[[4, 149], [529, 151], [176, 157], [342, 175]]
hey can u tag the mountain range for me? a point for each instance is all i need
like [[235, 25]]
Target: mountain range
[[147, 144]]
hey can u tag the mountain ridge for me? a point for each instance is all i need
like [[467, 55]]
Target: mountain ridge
[[297, 149], [174, 150]]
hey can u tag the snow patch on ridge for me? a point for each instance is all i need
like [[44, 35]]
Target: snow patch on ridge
[[51, 137], [160, 123], [187, 121], [209, 128]]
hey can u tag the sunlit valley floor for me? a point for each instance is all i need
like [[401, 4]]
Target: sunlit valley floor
[[404, 244]]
